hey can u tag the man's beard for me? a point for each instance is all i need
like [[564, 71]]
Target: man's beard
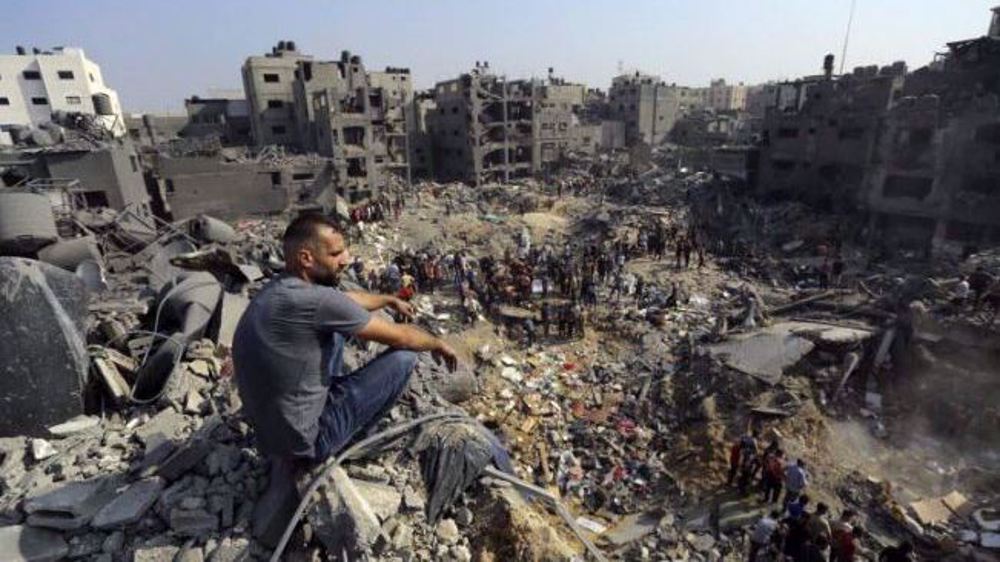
[[328, 277]]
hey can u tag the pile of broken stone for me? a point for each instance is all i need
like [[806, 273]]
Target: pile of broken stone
[[123, 437]]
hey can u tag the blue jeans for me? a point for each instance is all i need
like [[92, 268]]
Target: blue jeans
[[359, 399]]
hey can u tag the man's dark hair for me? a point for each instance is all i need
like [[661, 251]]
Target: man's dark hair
[[303, 230], [822, 508]]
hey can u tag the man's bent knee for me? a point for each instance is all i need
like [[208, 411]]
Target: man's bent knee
[[404, 359]]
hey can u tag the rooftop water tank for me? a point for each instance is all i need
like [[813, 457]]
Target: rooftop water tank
[[102, 104], [26, 223]]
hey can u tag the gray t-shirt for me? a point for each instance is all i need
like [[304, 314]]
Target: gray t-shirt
[[281, 350]]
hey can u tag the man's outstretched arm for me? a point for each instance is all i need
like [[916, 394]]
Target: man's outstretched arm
[[371, 302], [406, 336]]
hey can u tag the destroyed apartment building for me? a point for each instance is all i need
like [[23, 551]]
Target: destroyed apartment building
[[358, 118], [485, 128], [916, 151]]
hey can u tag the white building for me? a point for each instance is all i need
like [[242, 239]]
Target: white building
[[33, 85]]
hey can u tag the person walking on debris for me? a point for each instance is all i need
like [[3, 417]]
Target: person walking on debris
[[773, 474], [289, 345], [796, 480], [818, 525], [844, 537], [576, 319], [734, 461], [762, 535], [529, 331], [796, 535], [749, 460], [797, 508], [546, 318]]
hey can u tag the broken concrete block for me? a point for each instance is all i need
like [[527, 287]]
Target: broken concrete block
[[343, 519], [151, 460], [113, 543], [27, 544], [42, 449], [402, 536], [156, 554], [413, 500], [168, 424], [43, 356], [384, 500], [184, 459], [115, 384], [194, 403], [85, 546], [130, 505], [191, 554], [69, 506], [231, 550], [192, 522], [222, 459], [79, 424], [447, 531]]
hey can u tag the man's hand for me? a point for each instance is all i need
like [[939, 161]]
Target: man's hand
[[402, 307], [445, 353]]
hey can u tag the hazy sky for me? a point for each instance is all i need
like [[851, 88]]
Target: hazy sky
[[157, 52]]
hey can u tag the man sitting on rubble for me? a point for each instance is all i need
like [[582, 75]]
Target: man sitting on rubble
[[289, 345]]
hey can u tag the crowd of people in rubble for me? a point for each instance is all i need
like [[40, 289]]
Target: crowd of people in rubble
[[796, 531], [556, 290], [379, 209]]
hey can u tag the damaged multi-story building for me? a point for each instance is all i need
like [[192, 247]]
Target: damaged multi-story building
[[820, 132], [359, 119], [35, 85], [917, 151], [647, 105], [486, 128], [934, 176]]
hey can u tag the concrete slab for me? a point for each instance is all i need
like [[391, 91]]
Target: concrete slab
[[765, 354], [130, 506], [343, 519], [384, 500], [43, 354], [69, 506], [166, 425], [27, 544]]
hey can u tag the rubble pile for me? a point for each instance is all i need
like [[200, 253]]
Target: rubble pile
[[125, 439]]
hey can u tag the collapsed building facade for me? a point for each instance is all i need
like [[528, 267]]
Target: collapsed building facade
[[485, 127], [359, 119], [916, 151], [62, 79]]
